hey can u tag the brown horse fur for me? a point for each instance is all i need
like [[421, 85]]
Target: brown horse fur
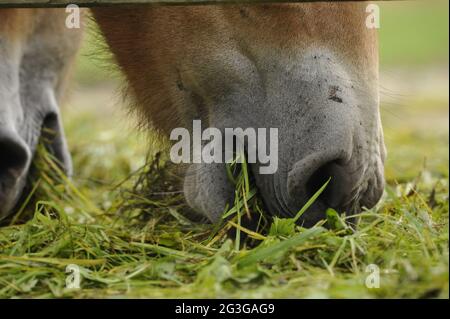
[[160, 48]]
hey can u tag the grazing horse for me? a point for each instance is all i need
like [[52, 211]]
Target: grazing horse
[[310, 70], [36, 52]]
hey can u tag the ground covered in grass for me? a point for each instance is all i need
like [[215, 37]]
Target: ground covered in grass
[[122, 221], [141, 245]]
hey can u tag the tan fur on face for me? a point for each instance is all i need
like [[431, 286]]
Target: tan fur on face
[[153, 45], [16, 23], [20, 26]]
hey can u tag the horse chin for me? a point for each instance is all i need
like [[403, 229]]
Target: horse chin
[[208, 190]]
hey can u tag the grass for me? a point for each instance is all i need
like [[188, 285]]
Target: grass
[[123, 222], [138, 241]]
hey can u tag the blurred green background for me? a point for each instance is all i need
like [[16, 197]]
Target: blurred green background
[[414, 33], [414, 95]]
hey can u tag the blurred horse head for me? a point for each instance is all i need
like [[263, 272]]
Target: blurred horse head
[[36, 51]]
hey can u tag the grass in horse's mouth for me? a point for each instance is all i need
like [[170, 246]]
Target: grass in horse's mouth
[[146, 243]]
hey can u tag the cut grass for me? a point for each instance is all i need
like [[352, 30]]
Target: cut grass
[[144, 244]]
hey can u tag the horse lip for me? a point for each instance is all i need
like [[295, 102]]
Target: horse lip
[[9, 196], [273, 193]]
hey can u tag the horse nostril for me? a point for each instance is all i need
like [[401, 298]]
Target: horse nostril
[[14, 157], [334, 193]]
